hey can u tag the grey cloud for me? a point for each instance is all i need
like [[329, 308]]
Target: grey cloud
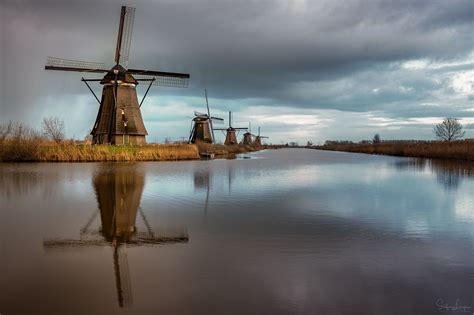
[[314, 54]]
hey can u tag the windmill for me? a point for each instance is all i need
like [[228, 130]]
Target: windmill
[[119, 120], [118, 196], [231, 137], [202, 129], [247, 140], [258, 138]]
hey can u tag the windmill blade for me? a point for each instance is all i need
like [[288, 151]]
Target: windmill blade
[[218, 119], [122, 278], [209, 115], [54, 63], [124, 35], [167, 79], [126, 39], [138, 240]]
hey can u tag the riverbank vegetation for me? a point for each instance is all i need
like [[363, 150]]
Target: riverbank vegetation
[[459, 150], [40, 151], [19, 143], [226, 150], [36, 150]]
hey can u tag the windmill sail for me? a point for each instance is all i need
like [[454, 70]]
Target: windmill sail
[[210, 120], [54, 63], [163, 79], [126, 39]]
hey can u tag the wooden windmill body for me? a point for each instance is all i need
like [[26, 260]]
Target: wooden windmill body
[[231, 132], [202, 129], [119, 120]]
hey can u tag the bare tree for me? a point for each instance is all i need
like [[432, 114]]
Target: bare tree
[[53, 128], [376, 139], [450, 129], [5, 130]]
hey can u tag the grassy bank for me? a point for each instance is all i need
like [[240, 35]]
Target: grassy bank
[[29, 151], [459, 150], [221, 150], [41, 151]]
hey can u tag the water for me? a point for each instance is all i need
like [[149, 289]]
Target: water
[[286, 231]]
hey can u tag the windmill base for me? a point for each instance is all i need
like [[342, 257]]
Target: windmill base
[[123, 139]]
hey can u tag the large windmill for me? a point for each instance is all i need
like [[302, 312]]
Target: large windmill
[[119, 120], [231, 137], [258, 138], [202, 129], [118, 194]]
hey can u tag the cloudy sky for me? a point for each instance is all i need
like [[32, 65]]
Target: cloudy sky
[[302, 70]]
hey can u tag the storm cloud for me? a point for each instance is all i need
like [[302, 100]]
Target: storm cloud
[[341, 67]]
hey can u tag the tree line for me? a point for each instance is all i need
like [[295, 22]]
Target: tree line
[[52, 128]]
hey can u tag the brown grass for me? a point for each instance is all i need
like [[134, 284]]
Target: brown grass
[[29, 151], [34, 150], [460, 150], [220, 149]]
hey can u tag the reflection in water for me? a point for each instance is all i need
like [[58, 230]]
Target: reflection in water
[[118, 191], [449, 173], [202, 179], [344, 233]]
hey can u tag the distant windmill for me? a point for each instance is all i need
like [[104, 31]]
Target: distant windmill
[[118, 197], [119, 120], [202, 129], [231, 137], [247, 140], [258, 138]]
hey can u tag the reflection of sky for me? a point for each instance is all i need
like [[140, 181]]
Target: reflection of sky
[[412, 202], [378, 191]]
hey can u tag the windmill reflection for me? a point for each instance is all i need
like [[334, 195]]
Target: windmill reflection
[[202, 179], [118, 191], [205, 181]]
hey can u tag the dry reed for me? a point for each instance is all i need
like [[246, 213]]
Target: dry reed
[[220, 149], [47, 152], [459, 150]]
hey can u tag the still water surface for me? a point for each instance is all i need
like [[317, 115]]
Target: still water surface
[[290, 231]]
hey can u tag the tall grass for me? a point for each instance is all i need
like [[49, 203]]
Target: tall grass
[[14, 151], [37, 150], [460, 150], [220, 149]]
